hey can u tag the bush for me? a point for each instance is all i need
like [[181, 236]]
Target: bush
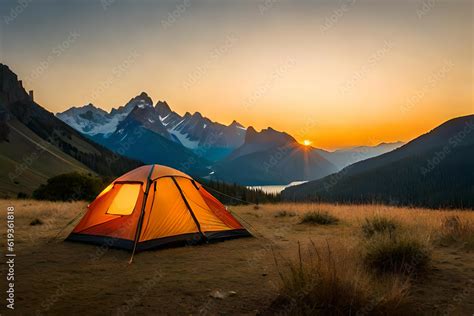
[[319, 218], [70, 187], [285, 214], [328, 282], [35, 222], [405, 255], [455, 230], [378, 225], [22, 195]]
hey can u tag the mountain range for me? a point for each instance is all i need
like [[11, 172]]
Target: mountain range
[[347, 156], [194, 132], [433, 170], [205, 148], [272, 157], [37, 144]]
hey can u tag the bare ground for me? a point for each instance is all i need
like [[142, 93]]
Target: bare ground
[[53, 277]]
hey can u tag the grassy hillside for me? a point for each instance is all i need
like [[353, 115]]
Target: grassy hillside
[[35, 145], [59, 134], [26, 161]]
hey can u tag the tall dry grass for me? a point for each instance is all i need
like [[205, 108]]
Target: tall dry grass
[[329, 274], [455, 229], [49, 218], [372, 258], [329, 280], [425, 221], [379, 225]]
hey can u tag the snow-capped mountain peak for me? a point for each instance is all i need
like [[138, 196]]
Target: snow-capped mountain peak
[[194, 131], [236, 124], [92, 120], [162, 108], [89, 120]]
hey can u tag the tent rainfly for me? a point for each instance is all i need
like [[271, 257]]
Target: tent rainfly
[[155, 206]]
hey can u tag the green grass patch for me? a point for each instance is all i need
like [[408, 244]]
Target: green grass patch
[[319, 218], [388, 254]]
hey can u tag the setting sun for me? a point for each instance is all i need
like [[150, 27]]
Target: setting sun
[[307, 142]]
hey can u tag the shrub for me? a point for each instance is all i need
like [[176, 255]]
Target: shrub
[[70, 187], [378, 225], [404, 254], [454, 229], [319, 218], [36, 221], [328, 282], [285, 214], [22, 195]]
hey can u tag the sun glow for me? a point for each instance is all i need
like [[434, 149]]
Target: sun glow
[[307, 142]]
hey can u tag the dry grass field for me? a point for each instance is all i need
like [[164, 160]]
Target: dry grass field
[[328, 262]]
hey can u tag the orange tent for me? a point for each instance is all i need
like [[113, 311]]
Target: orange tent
[[154, 206]]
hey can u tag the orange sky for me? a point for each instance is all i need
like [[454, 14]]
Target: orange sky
[[338, 74]]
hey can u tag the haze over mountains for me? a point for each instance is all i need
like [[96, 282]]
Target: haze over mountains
[[434, 170]]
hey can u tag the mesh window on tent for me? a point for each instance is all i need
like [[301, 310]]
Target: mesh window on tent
[[125, 200]]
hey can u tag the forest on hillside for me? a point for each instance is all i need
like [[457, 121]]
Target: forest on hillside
[[422, 180]]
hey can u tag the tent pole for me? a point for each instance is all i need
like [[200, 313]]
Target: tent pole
[[204, 238], [142, 213]]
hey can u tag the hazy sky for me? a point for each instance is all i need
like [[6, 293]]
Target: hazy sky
[[338, 73]]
